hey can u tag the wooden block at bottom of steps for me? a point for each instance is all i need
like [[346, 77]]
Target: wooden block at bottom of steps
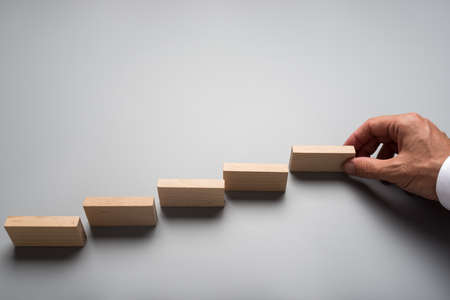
[[255, 177], [319, 158], [191, 192], [46, 231], [120, 211]]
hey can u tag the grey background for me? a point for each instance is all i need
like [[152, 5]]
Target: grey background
[[101, 98]]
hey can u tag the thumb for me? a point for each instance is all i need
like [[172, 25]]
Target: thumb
[[369, 167]]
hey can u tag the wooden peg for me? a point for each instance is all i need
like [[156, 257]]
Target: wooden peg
[[191, 192], [120, 211], [319, 158], [255, 177], [46, 231]]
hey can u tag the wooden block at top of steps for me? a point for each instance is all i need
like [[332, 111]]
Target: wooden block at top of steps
[[191, 192], [255, 177], [319, 158], [120, 211], [46, 231]]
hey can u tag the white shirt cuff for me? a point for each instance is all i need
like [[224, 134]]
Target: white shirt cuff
[[443, 184]]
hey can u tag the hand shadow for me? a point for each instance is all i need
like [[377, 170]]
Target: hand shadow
[[425, 217], [425, 220]]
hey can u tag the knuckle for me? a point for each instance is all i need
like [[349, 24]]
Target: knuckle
[[414, 115], [428, 126], [403, 170], [371, 122], [401, 173], [411, 119]]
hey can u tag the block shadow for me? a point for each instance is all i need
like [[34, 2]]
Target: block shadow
[[255, 197], [46, 253], [320, 176], [192, 212], [122, 232]]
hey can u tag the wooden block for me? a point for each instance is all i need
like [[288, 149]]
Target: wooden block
[[46, 231], [319, 158], [120, 211], [255, 177], [191, 192]]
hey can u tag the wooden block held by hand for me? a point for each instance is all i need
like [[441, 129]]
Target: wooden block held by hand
[[46, 231], [255, 177], [191, 192], [120, 211], [319, 158]]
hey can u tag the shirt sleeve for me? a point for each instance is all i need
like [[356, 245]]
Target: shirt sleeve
[[443, 184]]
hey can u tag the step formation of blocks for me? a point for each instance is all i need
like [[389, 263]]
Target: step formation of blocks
[[68, 231], [46, 231], [191, 192], [319, 158], [255, 177], [120, 211]]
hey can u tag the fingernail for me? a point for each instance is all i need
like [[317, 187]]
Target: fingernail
[[349, 167]]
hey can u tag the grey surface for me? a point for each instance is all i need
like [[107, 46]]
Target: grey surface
[[102, 98]]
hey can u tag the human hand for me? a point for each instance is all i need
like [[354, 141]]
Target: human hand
[[421, 147]]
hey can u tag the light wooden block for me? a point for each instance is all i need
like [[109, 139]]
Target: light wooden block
[[191, 192], [319, 158], [120, 211], [255, 177], [46, 231]]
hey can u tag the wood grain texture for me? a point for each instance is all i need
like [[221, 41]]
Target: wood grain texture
[[255, 177], [319, 158], [191, 192], [46, 231], [120, 211]]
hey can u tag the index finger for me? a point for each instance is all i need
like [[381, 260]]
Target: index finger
[[382, 129]]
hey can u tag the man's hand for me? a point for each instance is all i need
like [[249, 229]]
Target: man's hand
[[421, 147]]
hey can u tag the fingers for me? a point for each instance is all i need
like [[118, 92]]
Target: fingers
[[368, 148], [379, 129], [387, 151], [370, 168]]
